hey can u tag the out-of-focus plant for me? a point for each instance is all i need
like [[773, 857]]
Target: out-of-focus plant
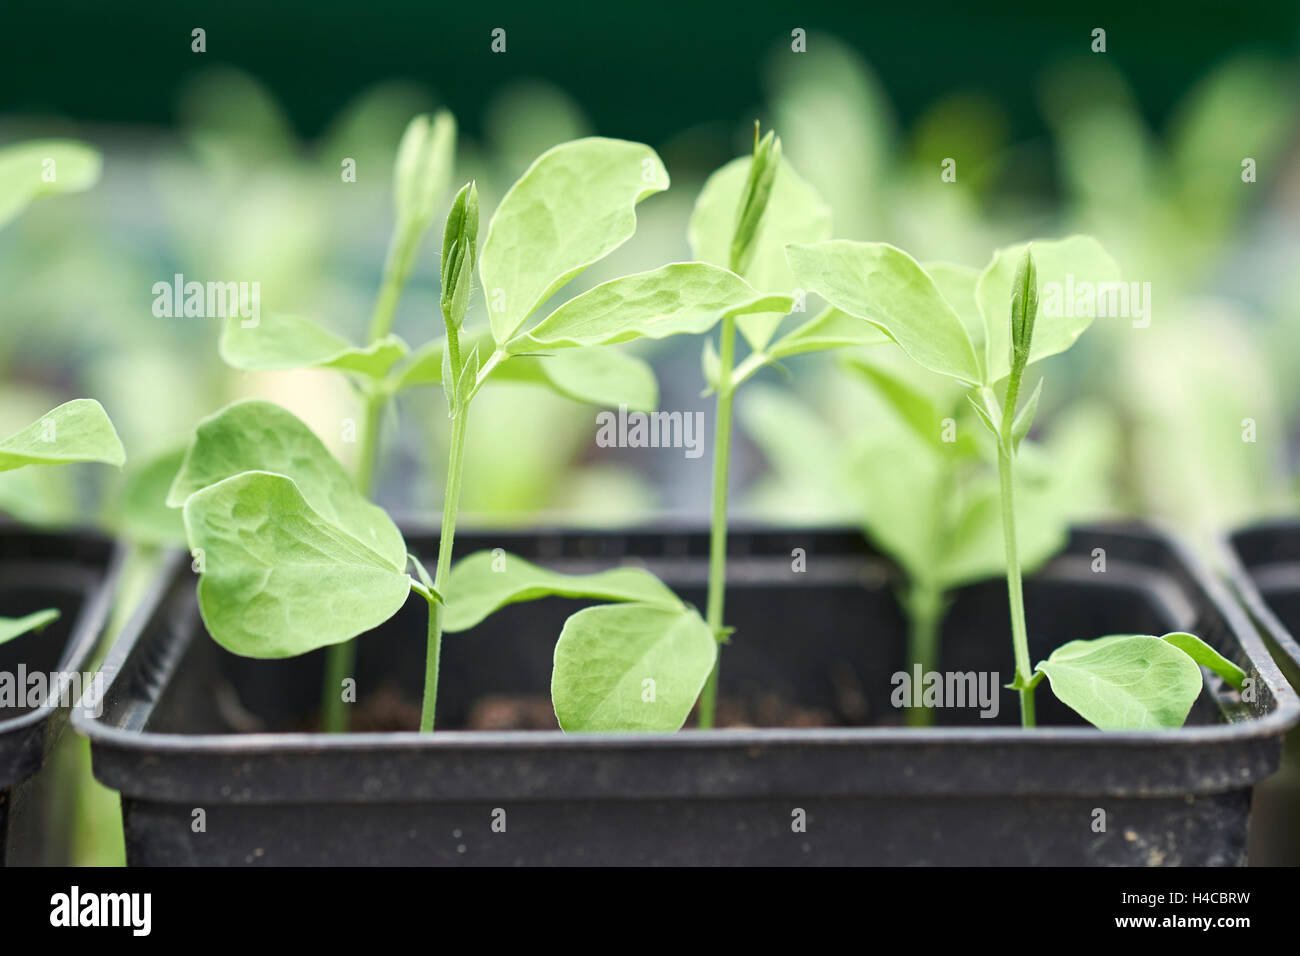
[[79, 430], [1117, 681]]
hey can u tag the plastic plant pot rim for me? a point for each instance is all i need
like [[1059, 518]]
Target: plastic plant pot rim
[[507, 755], [1242, 582], [87, 629]]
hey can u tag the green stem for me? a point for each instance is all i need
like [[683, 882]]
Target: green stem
[[718, 516], [924, 609], [1015, 590], [340, 659], [450, 505], [397, 269]]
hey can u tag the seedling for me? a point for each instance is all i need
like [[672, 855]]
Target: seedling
[[1118, 681], [79, 430], [292, 555]]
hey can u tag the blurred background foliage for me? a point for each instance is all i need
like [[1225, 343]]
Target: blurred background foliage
[[225, 165]]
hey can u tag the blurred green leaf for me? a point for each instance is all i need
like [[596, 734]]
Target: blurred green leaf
[[78, 430], [45, 167]]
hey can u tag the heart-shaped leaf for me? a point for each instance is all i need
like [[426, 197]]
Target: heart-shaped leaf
[[1125, 682], [12, 627], [78, 430], [486, 581], [285, 341], [279, 577], [886, 287], [257, 435], [630, 667], [681, 298], [794, 213], [573, 206]]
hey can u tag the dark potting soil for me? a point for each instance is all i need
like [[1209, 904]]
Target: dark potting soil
[[388, 710]]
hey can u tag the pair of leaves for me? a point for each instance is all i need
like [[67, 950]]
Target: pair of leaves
[[889, 289], [604, 377], [1135, 681], [293, 556], [636, 665]]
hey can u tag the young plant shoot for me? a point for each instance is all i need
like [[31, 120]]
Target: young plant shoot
[[1114, 682], [79, 430], [421, 175], [746, 213], [292, 555]]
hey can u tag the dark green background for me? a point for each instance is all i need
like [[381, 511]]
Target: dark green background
[[640, 69]]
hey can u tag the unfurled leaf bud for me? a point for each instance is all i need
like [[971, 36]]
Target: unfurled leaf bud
[[753, 201], [1024, 310], [459, 255], [423, 168]]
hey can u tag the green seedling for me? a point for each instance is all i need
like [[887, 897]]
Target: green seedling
[[79, 430], [746, 213], [294, 557], [1118, 681]]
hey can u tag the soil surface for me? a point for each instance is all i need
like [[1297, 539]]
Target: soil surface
[[388, 710]]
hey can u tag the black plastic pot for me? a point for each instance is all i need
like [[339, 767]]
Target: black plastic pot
[[74, 572], [971, 791], [1263, 563]]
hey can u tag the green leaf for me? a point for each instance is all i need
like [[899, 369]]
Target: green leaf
[[795, 213], [974, 547], [255, 435], [957, 285], [284, 341], [572, 207], [12, 627], [913, 406], [487, 581], [1076, 263], [78, 430], [977, 403], [1125, 682], [1206, 656], [44, 167], [830, 329], [681, 298], [885, 286], [1025, 417], [630, 667], [279, 577], [599, 376], [145, 517]]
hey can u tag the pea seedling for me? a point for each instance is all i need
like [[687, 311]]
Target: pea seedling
[[1118, 681], [292, 555], [79, 430]]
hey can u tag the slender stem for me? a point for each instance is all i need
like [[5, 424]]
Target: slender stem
[[924, 609], [450, 505], [340, 659], [1015, 593], [397, 268], [718, 517]]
